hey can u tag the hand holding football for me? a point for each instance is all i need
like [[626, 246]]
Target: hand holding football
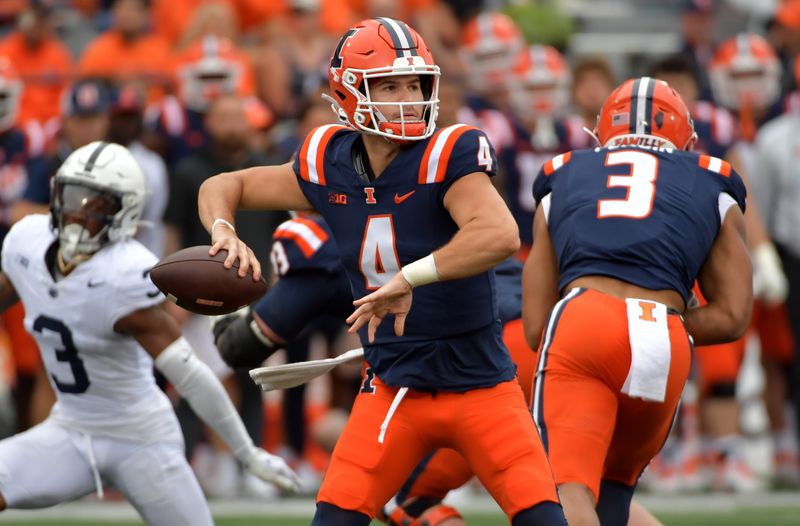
[[201, 284]]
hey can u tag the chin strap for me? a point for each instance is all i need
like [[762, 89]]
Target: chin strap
[[338, 110], [66, 267]]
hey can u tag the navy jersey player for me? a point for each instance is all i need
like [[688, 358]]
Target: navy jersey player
[[410, 206], [621, 234], [312, 283]]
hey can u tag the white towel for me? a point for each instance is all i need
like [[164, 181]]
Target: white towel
[[650, 350]]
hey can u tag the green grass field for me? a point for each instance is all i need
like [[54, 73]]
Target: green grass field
[[739, 517]]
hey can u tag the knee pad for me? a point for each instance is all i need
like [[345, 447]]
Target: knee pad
[[330, 515], [420, 511], [614, 504], [543, 514]]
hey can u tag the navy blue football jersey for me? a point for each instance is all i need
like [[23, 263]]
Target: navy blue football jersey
[[520, 165], [715, 128], [640, 215], [452, 335], [312, 281]]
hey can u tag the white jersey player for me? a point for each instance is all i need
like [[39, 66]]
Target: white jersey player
[[100, 327]]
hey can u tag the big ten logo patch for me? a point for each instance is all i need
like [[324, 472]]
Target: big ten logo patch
[[335, 198]]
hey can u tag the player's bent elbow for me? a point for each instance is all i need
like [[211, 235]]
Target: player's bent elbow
[[506, 240]]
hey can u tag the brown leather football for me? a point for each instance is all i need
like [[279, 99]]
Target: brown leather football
[[201, 284]]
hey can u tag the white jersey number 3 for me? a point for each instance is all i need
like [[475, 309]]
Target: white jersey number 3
[[379, 261], [640, 182]]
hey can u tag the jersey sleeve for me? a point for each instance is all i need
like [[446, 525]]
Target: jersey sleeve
[[543, 184], [726, 177], [296, 300], [454, 152], [309, 163], [304, 245], [133, 289]]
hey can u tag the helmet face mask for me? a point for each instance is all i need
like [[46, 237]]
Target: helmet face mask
[[378, 49], [490, 46], [542, 79], [97, 198], [745, 73]]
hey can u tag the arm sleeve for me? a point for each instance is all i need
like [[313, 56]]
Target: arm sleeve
[[200, 387]]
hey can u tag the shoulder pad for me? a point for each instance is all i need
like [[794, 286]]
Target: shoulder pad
[[306, 234], [311, 155], [556, 162], [714, 164], [433, 167]]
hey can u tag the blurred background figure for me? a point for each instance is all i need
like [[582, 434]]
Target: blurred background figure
[[592, 82], [126, 128], [128, 51], [226, 123], [698, 34], [44, 65]]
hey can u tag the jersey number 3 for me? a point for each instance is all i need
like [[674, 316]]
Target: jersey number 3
[[378, 261], [640, 182], [68, 354]]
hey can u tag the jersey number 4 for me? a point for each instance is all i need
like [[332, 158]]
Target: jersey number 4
[[378, 260], [640, 182]]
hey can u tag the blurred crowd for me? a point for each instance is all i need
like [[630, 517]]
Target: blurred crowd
[[198, 87]]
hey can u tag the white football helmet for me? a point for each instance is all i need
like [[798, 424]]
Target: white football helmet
[[97, 198]]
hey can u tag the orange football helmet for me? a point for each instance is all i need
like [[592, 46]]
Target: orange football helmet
[[745, 71], [10, 94], [644, 108], [210, 67], [541, 84], [378, 48], [490, 43]]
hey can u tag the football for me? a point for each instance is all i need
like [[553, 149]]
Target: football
[[201, 284]]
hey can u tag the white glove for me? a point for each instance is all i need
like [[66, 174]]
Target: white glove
[[271, 468], [769, 281]]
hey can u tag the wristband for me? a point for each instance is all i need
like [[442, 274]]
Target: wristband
[[421, 272], [220, 221]]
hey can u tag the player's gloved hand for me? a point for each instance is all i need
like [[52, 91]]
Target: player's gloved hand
[[240, 341], [271, 468], [220, 324], [769, 281]]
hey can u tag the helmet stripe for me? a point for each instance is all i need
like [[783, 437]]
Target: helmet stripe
[[647, 125], [401, 38], [95, 155], [640, 116], [634, 105]]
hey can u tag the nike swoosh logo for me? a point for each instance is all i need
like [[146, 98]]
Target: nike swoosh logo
[[153, 294], [93, 284], [400, 198]]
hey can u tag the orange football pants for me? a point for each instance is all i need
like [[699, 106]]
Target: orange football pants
[[720, 364], [447, 470], [24, 350], [593, 431], [490, 427]]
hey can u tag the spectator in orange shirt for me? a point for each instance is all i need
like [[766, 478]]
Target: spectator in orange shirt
[[41, 60], [128, 52]]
